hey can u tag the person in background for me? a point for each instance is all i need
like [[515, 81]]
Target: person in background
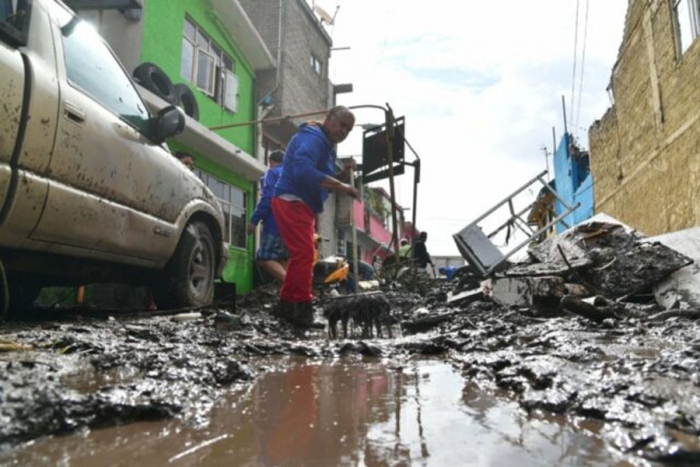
[[308, 174], [420, 253], [186, 159], [272, 252], [447, 271], [404, 250]]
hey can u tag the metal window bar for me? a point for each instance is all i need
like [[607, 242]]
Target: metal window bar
[[516, 220]]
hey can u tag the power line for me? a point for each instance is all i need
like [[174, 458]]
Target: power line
[[583, 66], [573, 75]]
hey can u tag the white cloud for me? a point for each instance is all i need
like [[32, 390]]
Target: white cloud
[[480, 84]]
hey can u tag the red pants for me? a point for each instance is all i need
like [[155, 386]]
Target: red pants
[[296, 222]]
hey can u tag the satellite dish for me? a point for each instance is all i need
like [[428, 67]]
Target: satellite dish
[[324, 15]]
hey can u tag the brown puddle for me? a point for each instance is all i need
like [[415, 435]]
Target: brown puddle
[[341, 414]]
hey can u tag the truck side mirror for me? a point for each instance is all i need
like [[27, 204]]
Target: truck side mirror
[[169, 121]]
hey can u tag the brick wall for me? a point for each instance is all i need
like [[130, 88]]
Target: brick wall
[[645, 150]]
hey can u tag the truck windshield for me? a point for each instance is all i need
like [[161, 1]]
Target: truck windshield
[[91, 67]]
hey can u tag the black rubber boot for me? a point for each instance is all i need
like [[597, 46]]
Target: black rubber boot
[[304, 316]]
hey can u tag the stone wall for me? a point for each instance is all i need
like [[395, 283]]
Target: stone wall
[[645, 149]]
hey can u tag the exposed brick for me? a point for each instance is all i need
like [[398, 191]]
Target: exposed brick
[[647, 167]]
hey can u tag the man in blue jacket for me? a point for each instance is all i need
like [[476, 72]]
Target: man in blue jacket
[[272, 252], [307, 177]]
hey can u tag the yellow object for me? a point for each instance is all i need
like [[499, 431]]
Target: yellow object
[[338, 275], [80, 295]]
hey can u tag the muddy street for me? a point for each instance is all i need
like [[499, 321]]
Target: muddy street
[[461, 382]]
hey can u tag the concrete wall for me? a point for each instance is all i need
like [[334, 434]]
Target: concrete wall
[[645, 149], [299, 89]]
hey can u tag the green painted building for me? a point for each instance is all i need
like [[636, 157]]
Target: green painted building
[[211, 47]]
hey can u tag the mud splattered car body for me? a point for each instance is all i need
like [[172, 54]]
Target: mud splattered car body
[[88, 189]]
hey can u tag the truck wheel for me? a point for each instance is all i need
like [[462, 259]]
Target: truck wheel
[[188, 279]]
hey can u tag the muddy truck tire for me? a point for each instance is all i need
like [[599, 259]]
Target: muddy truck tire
[[188, 279]]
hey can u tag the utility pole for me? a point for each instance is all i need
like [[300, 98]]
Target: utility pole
[[546, 162]]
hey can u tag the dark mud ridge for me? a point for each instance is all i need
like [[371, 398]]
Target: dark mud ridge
[[639, 376]]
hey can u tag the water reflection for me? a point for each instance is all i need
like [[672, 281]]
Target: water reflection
[[354, 414]]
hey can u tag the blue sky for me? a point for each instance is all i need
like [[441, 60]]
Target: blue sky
[[480, 84]]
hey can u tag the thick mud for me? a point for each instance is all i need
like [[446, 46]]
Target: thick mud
[[635, 378]]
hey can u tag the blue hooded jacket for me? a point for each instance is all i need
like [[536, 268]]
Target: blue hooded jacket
[[309, 159], [263, 212]]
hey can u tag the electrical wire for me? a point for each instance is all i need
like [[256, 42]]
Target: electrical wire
[[583, 67], [573, 75]]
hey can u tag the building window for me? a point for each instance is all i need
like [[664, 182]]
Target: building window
[[685, 18], [208, 67], [316, 65], [233, 202]]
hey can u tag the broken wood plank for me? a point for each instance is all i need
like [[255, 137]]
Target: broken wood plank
[[581, 308], [664, 315]]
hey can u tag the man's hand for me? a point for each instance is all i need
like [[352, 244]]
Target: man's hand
[[251, 227], [352, 191]]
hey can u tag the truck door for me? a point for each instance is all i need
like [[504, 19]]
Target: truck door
[[11, 98], [112, 189], [29, 107]]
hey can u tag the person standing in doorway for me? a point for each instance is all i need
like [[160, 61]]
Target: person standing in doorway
[[420, 253], [272, 253], [308, 174]]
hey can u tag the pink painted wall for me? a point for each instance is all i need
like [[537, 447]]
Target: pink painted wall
[[378, 232], [358, 208]]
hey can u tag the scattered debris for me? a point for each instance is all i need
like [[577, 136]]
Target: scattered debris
[[682, 288], [186, 317], [527, 291], [7, 346], [622, 263], [465, 297], [608, 351]]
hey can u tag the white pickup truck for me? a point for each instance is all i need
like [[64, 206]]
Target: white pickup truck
[[88, 190]]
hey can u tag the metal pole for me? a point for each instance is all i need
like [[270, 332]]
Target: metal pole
[[268, 120], [554, 153], [416, 180], [353, 226], [390, 153], [563, 106], [285, 117], [515, 250]]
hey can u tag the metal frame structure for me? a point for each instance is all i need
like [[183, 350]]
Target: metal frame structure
[[476, 247]]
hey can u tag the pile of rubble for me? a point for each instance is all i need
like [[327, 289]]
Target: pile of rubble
[[601, 270]]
